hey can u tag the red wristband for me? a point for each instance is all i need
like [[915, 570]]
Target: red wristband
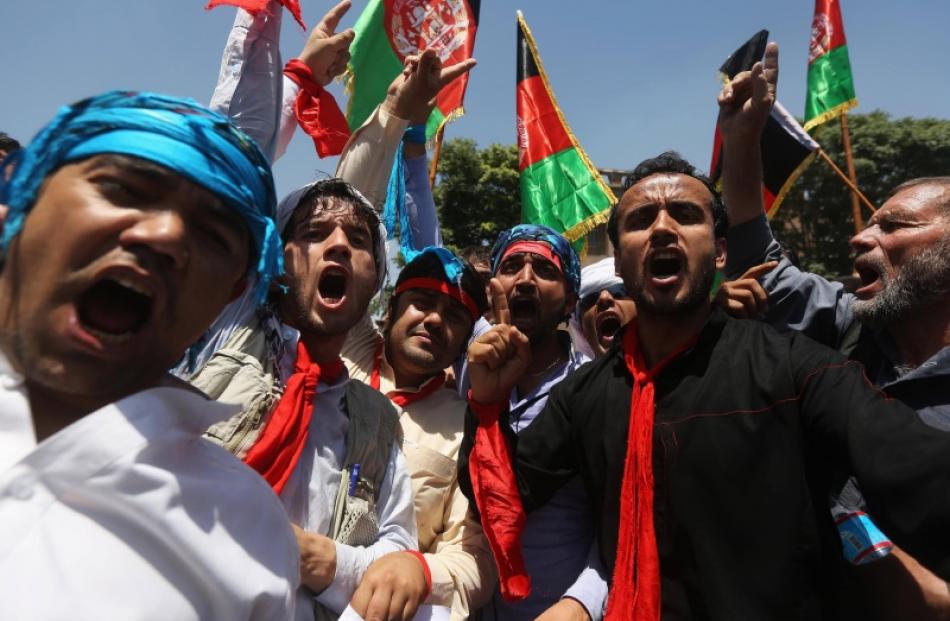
[[425, 570]]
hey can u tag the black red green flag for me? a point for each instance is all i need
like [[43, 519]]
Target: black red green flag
[[787, 149], [830, 85], [560, 187]]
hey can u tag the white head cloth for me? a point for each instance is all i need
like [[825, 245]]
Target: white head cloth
[[594, 278]]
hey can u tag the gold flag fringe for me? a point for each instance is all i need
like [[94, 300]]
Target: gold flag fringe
[[791, 181], [588, 224], [827, 115]]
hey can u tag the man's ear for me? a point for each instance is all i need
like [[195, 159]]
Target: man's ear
[[721, 254], [570, 302]]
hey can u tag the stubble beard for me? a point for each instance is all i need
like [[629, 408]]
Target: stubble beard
[[923, 281]]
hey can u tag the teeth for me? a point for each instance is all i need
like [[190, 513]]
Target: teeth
[[109, 339], [128, 284]]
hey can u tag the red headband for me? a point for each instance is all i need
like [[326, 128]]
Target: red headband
[[533, 247], [456, 293]]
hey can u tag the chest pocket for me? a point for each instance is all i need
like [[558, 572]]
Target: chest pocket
[[433, 478]]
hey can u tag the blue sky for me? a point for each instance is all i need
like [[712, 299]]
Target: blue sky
[[634, 78]]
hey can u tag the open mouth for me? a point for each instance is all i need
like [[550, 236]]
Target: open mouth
[[607, 329], [113, 310], [664, 267], [870, 277], [523, 308], [332, 286]]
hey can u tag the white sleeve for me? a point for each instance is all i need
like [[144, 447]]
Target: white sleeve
[[397, 531], [250, 81]]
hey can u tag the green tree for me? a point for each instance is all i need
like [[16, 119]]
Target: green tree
[[477, 194], [815, 218]]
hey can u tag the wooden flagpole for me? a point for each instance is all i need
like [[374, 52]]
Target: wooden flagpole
[[436, 152], [855, 205], [844, 177]]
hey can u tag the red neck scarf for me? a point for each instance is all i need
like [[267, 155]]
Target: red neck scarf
[[635, 590], [403, 398], [277, 450], [317, 111]]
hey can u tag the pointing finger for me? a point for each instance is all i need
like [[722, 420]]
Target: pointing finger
[[332, 19], [450, 73], [758, 271], [499, 303]]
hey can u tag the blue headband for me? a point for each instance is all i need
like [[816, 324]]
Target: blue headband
[[570, 264], [176, 133]]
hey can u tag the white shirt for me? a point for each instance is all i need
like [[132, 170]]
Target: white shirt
[[311, 491], [129, 514]]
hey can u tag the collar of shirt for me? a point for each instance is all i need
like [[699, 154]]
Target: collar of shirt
[[288, 356], [936, 366], [523, 410], [17, 436]]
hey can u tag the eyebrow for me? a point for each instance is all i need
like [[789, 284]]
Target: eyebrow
[[156, 173]]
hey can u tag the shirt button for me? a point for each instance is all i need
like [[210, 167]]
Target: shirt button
[[22, 487]]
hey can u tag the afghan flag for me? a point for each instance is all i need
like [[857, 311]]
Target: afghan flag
[[390, 30], [560, 187], [830, 85], [787, 149]]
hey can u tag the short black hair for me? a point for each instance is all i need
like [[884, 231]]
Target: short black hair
[[476, 254], [8, 144], [339, 189], [428, 265], [671, 162]]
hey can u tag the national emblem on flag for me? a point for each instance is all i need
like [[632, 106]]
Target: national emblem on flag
[[560, 187], [830, 85], [390, 30]]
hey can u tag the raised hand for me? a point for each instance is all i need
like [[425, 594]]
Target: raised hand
[[326, 51], [412, 94], [744, 297], [746, 102], [498, 358]]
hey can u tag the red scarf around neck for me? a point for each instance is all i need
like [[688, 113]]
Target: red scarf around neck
[[404, 398], [277, 450], [635, 588]]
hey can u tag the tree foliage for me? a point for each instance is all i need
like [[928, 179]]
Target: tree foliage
[[478, 193], [815, 218]]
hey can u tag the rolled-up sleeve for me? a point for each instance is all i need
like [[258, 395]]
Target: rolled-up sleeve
[[367, 158], [463, 572], [397, 531]]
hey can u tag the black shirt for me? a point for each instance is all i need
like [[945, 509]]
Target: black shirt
[[749, 426]]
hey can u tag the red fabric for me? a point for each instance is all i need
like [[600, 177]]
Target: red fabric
[[425, 569], [254, 7], [278, 448], [497, 498], [400, 397], [537, 248], [635, 591], [456, 293], [541, 132], [317, 111]]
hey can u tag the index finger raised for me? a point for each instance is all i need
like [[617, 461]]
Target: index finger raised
[[757, 271], [499, 303], [332, 19], [454, 71]]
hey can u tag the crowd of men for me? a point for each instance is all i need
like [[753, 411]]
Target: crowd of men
[[200, 418]]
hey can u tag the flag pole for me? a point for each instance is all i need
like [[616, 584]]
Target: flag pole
[[436, 152], [854, 189], [846, 142]]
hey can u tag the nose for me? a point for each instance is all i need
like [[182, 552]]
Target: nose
[[605, 300], [663, 228], [864, 241], [163, 232], [338, 244]]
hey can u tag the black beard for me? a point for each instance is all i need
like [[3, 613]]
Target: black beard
[[922, 281], [696, 296]]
